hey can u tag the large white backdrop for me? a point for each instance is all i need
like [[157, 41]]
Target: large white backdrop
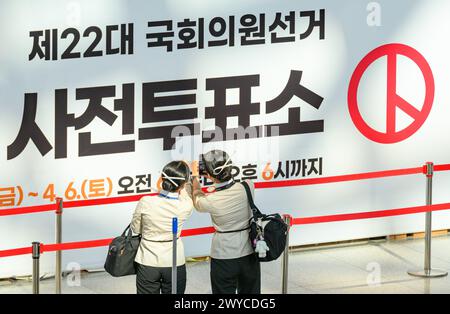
[[352, 29]]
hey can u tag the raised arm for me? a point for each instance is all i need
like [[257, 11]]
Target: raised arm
[[198, 197]]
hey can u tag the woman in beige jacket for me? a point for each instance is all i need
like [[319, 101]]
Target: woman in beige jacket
[[153, 220], [234, 265]]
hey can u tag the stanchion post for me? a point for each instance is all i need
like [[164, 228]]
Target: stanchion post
[[58, 240], [428, 272], [285, 265], [35, 254], [174, 254]]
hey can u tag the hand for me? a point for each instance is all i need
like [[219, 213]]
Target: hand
[[194, 168]]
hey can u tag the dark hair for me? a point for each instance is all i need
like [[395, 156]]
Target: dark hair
[[217, 158], [175, 169]]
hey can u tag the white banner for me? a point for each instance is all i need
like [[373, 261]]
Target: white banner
[[97, 96]]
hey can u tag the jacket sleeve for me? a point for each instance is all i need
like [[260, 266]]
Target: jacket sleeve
[[136, 222], [202, 204], [186, 197], [186, 192]]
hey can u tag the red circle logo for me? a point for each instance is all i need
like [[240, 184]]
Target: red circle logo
[[394, 101]]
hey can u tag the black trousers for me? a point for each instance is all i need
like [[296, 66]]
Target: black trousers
[[156, 280], [241, 275]]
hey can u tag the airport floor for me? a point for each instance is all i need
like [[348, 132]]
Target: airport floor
[[362, 267]]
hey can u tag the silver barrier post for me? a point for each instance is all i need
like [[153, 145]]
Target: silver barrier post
[[36, 254], [58, 240], [174, 254], [428, 272], [285, 265]]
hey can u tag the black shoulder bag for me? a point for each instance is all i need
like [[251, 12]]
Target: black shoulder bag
[[271, 228], [121, 254]]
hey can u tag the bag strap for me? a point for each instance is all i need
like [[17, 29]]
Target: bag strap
[[256, 212], [129, 231]]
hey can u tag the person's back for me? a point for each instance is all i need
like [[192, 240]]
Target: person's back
[[153, 220], [234, 265], [229, 212]]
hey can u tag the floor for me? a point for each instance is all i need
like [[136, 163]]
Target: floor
[[364, 267]]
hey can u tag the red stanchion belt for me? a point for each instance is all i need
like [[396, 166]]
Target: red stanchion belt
[[371, 215], [258, 185], [71, 204], [341, 178], [15, 252], [27, 210], [209, 230], [442, 167]]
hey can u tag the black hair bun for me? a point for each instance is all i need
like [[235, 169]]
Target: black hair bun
[[168, 186], [218, 159], [225, 175], [175, 169]]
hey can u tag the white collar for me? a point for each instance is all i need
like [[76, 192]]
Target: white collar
[[169, 195]]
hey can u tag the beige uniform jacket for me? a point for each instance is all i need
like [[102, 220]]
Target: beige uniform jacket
[[229, 210], [153, 220]]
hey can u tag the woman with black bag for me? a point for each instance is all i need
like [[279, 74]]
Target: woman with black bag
[[153, 220], [234, 265]]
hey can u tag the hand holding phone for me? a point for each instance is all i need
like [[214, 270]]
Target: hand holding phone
[[195, 168]]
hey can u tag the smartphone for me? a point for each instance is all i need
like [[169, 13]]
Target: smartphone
[[202, 166]]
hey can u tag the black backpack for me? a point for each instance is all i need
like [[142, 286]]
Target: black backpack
[[271, 227], [121, 254]]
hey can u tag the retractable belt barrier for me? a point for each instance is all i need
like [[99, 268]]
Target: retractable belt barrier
[[258, 185], [208, 230], [39, 248]]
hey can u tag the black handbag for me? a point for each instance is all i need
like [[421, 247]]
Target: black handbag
[[121, 254], [271, 228]]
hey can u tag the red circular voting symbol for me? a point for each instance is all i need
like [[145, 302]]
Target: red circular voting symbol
[[393, 100]]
